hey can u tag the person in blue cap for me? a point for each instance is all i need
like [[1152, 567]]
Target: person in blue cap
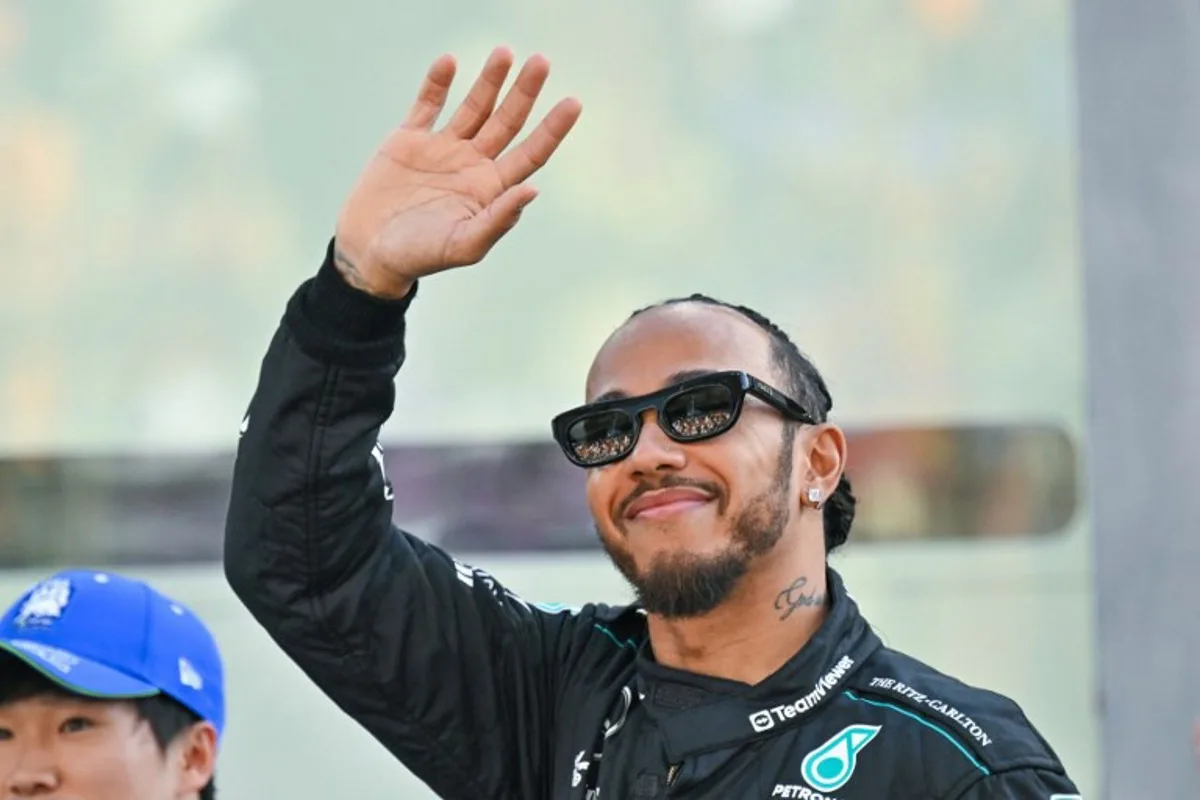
[[109, 690]]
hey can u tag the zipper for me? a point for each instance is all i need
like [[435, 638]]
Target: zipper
[[672, 774]]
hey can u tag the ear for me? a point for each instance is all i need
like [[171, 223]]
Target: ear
[[195, 753], [826, 461]]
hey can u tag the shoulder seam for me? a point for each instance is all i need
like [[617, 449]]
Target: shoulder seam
[[939, 729]]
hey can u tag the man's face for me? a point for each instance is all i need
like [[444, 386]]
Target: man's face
[[723, 502], [68, 747]]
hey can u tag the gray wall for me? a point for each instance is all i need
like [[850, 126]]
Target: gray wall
[[1139, 129]]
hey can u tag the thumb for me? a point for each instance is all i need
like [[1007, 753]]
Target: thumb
[[479, 234]]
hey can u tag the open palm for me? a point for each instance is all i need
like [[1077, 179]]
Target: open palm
[[432, 200]]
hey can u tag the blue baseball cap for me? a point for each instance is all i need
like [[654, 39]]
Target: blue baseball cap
[[99, 634]]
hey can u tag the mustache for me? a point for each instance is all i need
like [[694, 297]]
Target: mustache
[[670, 482]]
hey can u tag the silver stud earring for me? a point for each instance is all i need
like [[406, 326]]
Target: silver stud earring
[[814, 496]]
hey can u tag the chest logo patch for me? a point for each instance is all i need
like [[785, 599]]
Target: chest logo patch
[[830, 766]]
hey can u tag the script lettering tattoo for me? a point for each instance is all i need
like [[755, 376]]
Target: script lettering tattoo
[[348, 270], [794, 597]]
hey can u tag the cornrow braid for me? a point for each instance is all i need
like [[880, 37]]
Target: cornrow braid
[[808, 388]]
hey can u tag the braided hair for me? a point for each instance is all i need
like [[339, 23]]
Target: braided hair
[[806, 387]]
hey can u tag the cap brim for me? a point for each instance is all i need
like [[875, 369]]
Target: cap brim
[[76, 674]]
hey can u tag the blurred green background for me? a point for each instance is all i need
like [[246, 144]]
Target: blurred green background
[[891, 181]]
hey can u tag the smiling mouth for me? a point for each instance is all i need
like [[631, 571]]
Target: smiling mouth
[[662, 503], [670, 509]]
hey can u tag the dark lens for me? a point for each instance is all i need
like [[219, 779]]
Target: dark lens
[[700, 412], [600, 437]]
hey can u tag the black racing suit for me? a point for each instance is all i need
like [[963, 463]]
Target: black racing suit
[[485, 696]]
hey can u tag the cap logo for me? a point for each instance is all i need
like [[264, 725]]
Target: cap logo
[[45, 603], [188, 675], [61, 660]]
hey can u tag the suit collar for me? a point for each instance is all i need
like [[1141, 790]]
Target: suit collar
[[697, 713]]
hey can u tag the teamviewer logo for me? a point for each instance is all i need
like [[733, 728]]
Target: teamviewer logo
[[762, 721]]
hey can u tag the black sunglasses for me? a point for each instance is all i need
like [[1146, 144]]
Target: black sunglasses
[[691, 411]]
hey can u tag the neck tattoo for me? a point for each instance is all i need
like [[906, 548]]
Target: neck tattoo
[[794, 597]]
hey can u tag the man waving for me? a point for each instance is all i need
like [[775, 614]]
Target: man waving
[[716, 481]]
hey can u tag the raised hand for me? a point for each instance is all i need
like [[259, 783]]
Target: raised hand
[[428, 200]]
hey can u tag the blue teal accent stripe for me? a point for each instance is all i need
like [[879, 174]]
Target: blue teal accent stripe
[[555, 608], [630, 643], [949, 737]]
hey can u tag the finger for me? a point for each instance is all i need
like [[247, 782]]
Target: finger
[[478, 235], [478, 104], [504, 125], [533, 153], [431, 98]]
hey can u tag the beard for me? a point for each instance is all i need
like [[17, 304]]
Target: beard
[[683, 585]]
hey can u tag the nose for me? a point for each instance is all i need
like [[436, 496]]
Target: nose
[[655, 452], [33, 775]]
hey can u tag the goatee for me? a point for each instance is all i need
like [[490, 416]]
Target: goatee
[[683, 585]]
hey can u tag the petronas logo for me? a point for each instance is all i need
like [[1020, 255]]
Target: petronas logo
[[829, 767]]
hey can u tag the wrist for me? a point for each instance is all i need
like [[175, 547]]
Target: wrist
[[348, 312], [361, 274]]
